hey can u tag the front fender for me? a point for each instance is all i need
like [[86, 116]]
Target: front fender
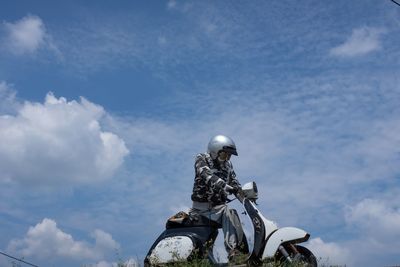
[[283, 235]]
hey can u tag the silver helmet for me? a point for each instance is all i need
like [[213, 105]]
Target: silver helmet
[[221, 143]]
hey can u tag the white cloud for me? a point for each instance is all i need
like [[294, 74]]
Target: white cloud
[[45, 240], [128, 263], [333, 253], [58, 142], [104, 240], [131, 263], [102, 264], [26, 35], [375, 225], [8, 102], [379, 217], [171, 4], [362, 41], [6, 93]]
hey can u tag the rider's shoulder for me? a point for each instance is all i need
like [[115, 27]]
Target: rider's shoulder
[[203, 156]]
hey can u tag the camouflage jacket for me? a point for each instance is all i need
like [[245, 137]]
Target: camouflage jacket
[[207, 172]]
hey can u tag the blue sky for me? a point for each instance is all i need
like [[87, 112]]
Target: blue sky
[[103, 106]]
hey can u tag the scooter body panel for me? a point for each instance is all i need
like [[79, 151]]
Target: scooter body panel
[[180, 244], [172, 249], [270, 226], [283, 235]]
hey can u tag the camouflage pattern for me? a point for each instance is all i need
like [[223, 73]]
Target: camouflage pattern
[[207, 186]]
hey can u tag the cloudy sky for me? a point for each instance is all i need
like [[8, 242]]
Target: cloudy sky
[[103, 106]]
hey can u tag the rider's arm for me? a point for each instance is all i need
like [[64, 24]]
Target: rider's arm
[[232, 180]]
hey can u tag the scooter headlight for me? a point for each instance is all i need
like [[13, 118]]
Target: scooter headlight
[[250, 191]]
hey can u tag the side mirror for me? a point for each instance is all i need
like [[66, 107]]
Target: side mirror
[[250, 191]]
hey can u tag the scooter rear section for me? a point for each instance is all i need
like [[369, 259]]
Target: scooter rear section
[[184, 239]]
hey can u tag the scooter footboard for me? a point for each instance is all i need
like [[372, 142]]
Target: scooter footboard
[[282, 235]]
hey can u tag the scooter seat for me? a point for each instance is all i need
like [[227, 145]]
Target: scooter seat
[[183, 220]]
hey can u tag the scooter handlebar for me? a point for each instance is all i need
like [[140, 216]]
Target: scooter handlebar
[[228, 188]]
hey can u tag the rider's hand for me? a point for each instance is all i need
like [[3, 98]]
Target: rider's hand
[[235, 189], [231, 189], [220, 183]]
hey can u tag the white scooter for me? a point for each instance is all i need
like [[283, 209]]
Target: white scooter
[[186, 239]]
